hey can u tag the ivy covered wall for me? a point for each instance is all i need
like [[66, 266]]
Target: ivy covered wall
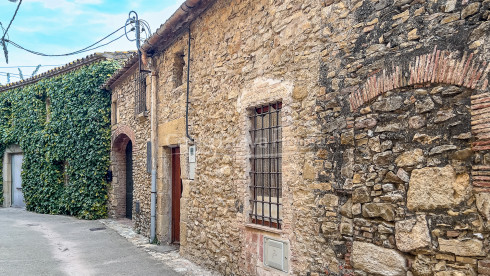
[[66, 142]]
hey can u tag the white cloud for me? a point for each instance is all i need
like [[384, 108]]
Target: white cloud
[[88, 2], [69, 8]]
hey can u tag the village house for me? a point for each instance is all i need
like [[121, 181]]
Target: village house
[[46, 122], [310, 137]]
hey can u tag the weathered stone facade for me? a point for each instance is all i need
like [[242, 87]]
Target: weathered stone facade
[[384, 135], [129, 126], [404, 145]]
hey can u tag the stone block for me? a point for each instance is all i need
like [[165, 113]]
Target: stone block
[[308, 171], [383, 210], [435, 188], [388, 104], [361, 195], [300, 92], [412, 234], [171, 133], [377, 260], [483, 204], [467, 248], [346, 209], [466, 260], [410, 158], [383, 158], [346, 227], [470, 10], [391, 177], [416, 122], [329, 200], [445, 257], [422, 266]]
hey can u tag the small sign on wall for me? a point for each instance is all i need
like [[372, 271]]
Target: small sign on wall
[[276, 254], [192, 162], [192, 154]]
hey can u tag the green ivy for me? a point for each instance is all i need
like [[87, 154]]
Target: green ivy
[[77, 134]]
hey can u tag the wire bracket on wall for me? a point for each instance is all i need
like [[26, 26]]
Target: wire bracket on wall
[[142, 33]]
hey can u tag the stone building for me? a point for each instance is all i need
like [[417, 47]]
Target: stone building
[[40, 117], [311, 137]]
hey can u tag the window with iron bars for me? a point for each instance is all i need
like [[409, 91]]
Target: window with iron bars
[[140, 92], [266, 174]]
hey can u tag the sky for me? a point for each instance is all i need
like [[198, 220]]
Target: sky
[[63, 26]]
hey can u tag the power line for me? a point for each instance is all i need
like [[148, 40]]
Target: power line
[[27, 66], [86, 49], [11, 20], [13, 74], [5, 51]]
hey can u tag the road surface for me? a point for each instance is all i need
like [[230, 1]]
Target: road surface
[[36, 244]]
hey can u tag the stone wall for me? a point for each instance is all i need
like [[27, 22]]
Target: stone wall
[[385, 163], [128, 126], [246, 54], [171, 103], [243, 54], [403, 141]]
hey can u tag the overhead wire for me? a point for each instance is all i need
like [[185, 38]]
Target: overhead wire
[[83, 50], [26, 66], [5, 31], [11, 20]]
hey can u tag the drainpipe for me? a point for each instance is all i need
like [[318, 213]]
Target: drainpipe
[[188, 81], [154, 152]]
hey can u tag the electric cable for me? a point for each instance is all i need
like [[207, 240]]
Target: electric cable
[[146, 28], [5, 31], [15, 74], [26, 66], [11, 20], [86, 49]]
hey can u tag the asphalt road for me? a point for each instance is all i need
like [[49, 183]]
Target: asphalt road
[[36, 244]]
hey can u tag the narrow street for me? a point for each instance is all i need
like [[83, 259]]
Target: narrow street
[[36, 244]]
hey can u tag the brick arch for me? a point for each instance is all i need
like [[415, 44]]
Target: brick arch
[[119, 140], [438, 67]]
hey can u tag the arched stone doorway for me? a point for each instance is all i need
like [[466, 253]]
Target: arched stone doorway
[[121, 194], [12, 181]]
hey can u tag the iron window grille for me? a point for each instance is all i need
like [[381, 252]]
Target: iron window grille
[[140, 92], [266, 159]]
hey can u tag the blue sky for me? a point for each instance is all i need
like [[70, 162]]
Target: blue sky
[[62, 26]]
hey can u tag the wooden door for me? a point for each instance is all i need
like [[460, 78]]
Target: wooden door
[[129, 180], [176, 194]]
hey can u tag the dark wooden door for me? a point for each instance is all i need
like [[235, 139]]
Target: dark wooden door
[[176, 194], [129, 180]]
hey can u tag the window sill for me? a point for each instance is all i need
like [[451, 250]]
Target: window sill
[[264, 228]]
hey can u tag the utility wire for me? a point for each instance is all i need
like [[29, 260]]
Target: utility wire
[[5, 51], [11, 20], [13, 74], [60, 55], [86, 49], [22, 66]]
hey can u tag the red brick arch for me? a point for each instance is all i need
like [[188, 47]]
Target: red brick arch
[[438, 67], [118, 139]]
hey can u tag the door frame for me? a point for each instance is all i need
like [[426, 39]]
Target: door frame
[[7, 173]]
